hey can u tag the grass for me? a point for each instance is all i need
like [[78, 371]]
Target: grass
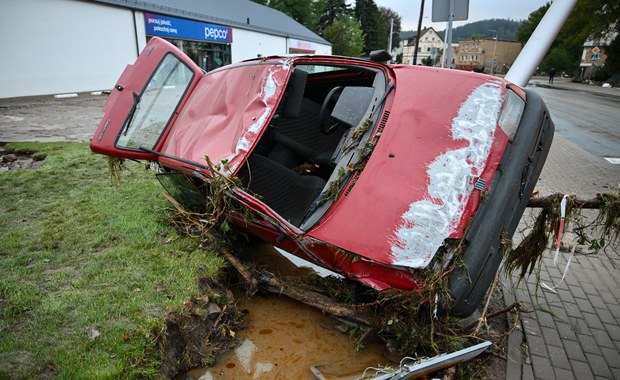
[[88, 271]]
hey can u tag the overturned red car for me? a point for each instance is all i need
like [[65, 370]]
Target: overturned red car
[[373, 171]]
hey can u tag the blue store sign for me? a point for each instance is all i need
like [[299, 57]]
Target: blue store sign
[[166, 26]]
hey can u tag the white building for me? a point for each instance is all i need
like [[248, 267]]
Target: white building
[[59, 46], [430, 46]]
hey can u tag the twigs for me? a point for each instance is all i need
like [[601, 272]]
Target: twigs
[[597, 233], [483, 318]]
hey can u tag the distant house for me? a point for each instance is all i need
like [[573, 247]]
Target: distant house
[[430, 46], [594, 54], [402, 37], [479, 55]]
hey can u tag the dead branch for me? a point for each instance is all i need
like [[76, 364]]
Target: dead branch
[[515, 305], [270, 283], [542, 202], [483, 317]]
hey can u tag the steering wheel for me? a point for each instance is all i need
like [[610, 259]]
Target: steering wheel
[[326, 109]]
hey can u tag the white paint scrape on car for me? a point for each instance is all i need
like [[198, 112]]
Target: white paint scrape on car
[[427, 222]]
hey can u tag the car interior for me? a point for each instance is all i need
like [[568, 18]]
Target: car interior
[[317, 132]]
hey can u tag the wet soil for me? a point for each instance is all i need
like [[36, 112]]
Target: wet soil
[[18, 160], [45, 118], [284, 339]]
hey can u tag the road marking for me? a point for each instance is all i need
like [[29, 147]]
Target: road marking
[[613, 160]]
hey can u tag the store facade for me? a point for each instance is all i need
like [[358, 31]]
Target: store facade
[[98, 38], [208, 45]]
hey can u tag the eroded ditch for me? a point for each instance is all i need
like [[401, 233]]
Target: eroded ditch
[[19, 160], [285, 338]]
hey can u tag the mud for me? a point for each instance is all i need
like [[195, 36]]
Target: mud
[[18, 160], [46, 118], [284, 340]]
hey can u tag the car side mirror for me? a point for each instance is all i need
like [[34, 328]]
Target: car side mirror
[[380, 56]]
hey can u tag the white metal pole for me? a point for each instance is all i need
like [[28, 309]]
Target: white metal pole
[[449, 33], [536, 47]]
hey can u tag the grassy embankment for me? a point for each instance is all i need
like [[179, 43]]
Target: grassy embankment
[[88, 271]]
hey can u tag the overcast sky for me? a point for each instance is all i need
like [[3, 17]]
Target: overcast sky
[[409, 11]]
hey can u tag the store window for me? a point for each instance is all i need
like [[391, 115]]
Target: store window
[[208, 56], [208, 45]]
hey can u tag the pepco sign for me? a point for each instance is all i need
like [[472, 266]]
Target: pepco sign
[[172, 27]]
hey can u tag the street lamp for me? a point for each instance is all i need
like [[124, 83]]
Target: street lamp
[[494, 49]]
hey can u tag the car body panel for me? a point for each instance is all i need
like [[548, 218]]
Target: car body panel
[[425, 163], [226, 114], [404, 202], [131, 86]]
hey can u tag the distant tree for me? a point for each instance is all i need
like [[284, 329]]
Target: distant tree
[[346, 36], [528, 26], [428, 61], [612, 63], [388, 15], [589, 18], [506, 30], [330, 12], [301, 11], [371, 22], [560, 58], [592, 18], [261, 2]]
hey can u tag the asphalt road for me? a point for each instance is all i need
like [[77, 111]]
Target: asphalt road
[[589, 121]]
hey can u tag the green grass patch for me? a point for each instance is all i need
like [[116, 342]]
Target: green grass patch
[[87, 271]]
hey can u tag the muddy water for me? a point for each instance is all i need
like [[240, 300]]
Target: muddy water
[[286, 338]]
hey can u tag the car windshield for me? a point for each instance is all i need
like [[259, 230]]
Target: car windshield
[[152, 110]]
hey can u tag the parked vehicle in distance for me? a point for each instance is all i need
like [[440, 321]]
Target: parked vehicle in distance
[[374, 171]]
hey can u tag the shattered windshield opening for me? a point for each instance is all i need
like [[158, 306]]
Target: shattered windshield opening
[[315, 139], [153, 109]]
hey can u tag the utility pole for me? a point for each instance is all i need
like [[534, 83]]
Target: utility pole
[[494, 50], [390, 39], [417, 38]]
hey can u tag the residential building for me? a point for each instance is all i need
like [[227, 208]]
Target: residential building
[[430, 46], [594, 54], [486, 54]]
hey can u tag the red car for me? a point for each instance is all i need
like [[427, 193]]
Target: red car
[[373, 171]]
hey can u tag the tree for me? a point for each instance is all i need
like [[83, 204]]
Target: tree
[[527, 27], [592, 18], [332, 10], [561, 59], [388, 14], [301, 11], [346, 36], [589, 18], [371, 22]]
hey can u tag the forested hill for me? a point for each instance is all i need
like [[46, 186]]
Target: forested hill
[[506, 30]]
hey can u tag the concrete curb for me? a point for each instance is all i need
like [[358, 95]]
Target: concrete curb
[[514, 354], [580, 88]]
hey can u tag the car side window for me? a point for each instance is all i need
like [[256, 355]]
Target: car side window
[[153, 109]]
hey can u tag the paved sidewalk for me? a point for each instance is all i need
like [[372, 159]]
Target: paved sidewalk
[[574, 333], [567, 84]]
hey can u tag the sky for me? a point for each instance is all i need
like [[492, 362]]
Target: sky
[[409, 11]]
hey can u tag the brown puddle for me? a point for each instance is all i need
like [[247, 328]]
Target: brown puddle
[[285, 338]]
